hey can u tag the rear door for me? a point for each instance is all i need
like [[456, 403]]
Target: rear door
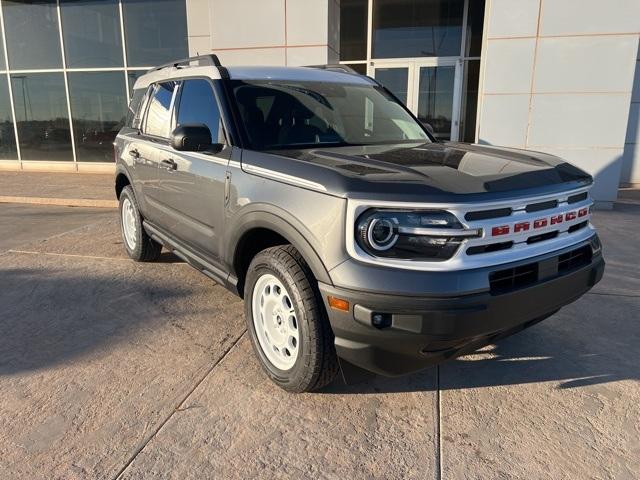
[[146, 148], [192, 184]]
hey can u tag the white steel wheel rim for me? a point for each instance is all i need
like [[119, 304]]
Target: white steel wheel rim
[[275, 322], [129, 223]]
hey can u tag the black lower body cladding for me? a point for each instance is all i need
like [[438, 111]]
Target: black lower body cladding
[[420, 331]]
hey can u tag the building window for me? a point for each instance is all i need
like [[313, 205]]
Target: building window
[[92, 36], [33, 39], [7, 134], [155, 31], [417, 28], [98, 110], [77, 66], [353, 29], [41, 116]]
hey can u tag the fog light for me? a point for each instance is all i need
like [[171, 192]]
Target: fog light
[[381, 320]]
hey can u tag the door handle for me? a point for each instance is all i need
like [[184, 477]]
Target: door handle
[[169, 164], [134, 153]]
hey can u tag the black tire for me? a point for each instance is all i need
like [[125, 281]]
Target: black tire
[[145, 249], [316, 364]]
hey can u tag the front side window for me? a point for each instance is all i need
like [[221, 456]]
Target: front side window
[[158, 120], [198, 106], [279, 115]]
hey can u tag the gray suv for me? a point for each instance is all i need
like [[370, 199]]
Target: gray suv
[[358, 242]]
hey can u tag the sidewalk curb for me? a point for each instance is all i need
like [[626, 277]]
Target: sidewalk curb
[[65, 202]]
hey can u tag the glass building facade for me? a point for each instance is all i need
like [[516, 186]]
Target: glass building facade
[[427, 52], [67, 68]]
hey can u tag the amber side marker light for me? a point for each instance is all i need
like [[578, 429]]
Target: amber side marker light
[[338, 303]]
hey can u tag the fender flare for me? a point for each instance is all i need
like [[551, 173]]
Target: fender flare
[[277, 220]]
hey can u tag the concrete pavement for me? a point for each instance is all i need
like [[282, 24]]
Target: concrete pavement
[[114, 369]]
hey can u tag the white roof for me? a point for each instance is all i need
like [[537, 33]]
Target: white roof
[[253, 73]]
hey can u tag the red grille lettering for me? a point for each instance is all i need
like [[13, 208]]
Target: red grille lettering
[[542, 222], [502, 230], [556, 219], [521, 227], [570, 216], [583, 212]]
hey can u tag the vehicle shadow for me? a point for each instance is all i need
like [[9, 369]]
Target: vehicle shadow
[[53, 316], [595, 341]]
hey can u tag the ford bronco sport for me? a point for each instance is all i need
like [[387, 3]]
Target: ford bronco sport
[[357, 241]]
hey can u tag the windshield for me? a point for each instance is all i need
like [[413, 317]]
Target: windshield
[[297, 114]]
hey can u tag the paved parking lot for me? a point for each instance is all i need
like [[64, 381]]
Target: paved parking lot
[[114, 369]]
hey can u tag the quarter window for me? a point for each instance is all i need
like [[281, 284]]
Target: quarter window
[[198, 106], [158, 121]]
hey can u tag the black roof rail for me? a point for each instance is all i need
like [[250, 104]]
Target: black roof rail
[[336, 67], [203, 60]]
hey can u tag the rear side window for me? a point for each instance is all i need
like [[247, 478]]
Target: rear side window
[[158, 121], [134, 114], [198, 106]]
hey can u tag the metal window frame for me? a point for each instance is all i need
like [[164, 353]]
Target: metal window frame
[[415, 63], [6, 71]]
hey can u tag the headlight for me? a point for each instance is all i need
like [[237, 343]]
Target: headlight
[[411, 234]]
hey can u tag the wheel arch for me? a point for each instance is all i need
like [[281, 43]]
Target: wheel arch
[[262, 229]]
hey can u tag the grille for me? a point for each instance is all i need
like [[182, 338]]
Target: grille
[[574, 259], [488, 214], [511, 279]]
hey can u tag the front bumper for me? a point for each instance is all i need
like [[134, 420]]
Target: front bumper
[[426, 330]]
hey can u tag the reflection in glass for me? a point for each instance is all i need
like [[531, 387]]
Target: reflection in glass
[[7, 134], [3, 65], [41, 115], [199, 106], [475, 20], [91, 30], [155, 31], [417, 28], [396, 80], [33, 41], [353, 29], [470, 101], [435, 99], [158, 119], [98, 101]]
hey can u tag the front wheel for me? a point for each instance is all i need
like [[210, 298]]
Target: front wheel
[[287, 322]]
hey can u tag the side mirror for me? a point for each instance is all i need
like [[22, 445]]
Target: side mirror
[[191, 138]]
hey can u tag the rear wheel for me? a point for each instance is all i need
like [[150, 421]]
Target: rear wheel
[[138, 244], [287, 322]]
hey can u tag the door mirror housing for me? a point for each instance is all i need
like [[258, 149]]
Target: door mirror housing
[[193, 138]]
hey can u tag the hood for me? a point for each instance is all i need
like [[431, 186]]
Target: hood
[[435, 170]]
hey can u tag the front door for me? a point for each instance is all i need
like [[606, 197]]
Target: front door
[[192, 184], [430, 88]]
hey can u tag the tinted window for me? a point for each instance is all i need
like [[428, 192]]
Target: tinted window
[[33, 40], [353, 29], [7, 134], [91, 30], [41, 116], [158, 120], [155, 30], [198, 105], [306, 114], [417, 28], [98, 102]]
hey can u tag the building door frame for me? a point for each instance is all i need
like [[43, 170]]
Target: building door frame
[[414, 66]]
